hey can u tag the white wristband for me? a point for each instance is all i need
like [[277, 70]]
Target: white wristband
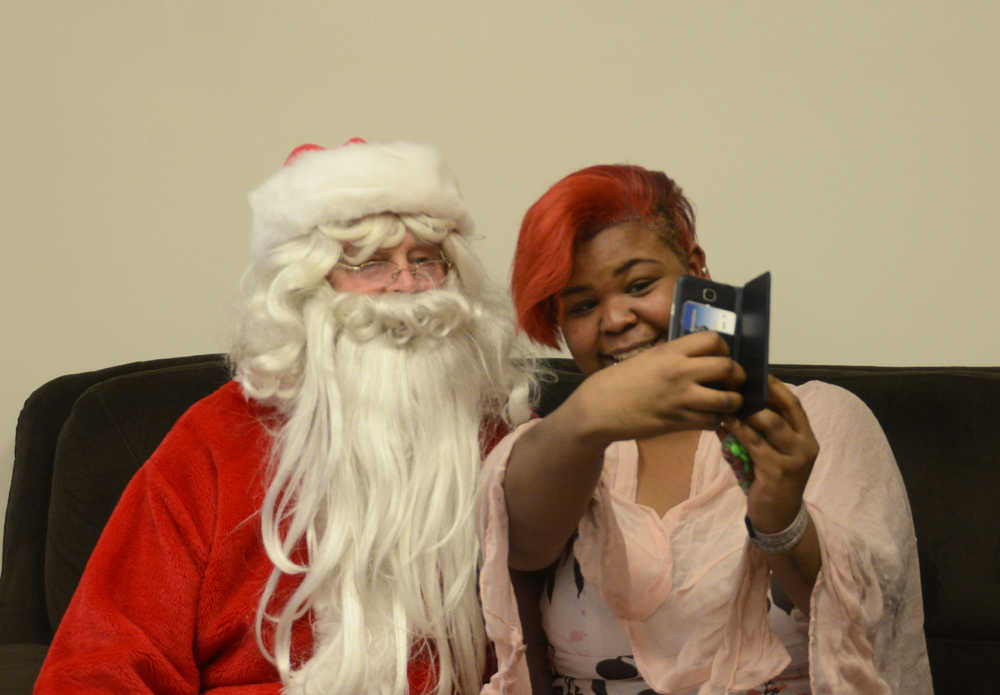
[[782, 541]]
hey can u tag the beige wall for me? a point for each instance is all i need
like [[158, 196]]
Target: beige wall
[[852, 150]]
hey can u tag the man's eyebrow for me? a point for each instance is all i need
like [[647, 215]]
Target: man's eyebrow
[[617, 272], [428, 250]]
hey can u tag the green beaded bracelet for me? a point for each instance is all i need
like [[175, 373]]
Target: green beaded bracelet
[[738, 458]]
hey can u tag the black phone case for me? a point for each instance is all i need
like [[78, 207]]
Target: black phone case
[[749, 343]]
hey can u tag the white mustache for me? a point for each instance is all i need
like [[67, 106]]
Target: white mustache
[[403, 319]]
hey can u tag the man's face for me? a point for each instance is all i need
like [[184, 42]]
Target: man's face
[[413, 265]]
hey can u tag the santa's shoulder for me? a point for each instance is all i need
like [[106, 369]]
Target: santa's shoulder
[[225, 425]]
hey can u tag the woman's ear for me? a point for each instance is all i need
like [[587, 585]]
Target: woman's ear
[[697, 264]]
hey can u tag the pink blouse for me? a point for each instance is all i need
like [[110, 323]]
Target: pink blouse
[[689, 591]]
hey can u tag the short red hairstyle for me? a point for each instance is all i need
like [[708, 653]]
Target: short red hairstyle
[[575, 209]]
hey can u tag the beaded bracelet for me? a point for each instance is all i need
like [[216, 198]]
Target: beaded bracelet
[[738, 458], [782, 541]]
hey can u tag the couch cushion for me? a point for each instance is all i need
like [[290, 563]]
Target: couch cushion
[[19, 666], [111, 431], [964, 666], [23, 614], [939, 423]]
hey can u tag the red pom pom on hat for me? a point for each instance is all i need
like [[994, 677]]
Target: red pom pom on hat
[[309, 147]]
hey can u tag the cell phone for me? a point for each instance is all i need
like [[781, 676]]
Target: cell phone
[[741, 315]]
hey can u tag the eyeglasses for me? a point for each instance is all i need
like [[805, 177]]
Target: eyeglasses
[[427, 273]]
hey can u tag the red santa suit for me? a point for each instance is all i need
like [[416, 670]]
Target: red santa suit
[[168, 599]]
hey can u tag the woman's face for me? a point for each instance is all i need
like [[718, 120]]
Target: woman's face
[[617, 300]]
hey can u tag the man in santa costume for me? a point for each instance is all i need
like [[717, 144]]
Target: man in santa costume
[[306, 528]]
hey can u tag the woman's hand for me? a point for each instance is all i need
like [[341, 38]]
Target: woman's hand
[[783, 448], [663, 389]]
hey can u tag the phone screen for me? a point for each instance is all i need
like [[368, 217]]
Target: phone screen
[[704, 305], [696, 316]]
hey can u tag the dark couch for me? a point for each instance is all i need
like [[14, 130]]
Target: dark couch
[[80, 437]]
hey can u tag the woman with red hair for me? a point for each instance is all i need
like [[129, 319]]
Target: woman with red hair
[[661, 574]]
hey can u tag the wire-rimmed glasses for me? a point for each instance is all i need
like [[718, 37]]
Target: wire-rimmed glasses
[[427, 273]]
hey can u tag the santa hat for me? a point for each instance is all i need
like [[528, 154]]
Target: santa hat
[[318, 185]]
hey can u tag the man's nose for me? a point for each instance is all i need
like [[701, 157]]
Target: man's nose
[[404, 282]]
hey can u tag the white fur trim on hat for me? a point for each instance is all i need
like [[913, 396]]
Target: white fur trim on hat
[[343, 184]]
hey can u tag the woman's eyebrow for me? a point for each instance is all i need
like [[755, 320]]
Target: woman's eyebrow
[[617, 272], [630, 263], [575, 289]]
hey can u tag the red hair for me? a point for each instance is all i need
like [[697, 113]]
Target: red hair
[[575, 209]]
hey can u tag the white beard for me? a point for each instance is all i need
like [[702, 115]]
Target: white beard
[[377, 468]]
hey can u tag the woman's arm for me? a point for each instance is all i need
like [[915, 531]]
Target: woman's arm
[[554, 468], [528, 588], [782, 445]]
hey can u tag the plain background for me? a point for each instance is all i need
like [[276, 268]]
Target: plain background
[[850, 148]]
